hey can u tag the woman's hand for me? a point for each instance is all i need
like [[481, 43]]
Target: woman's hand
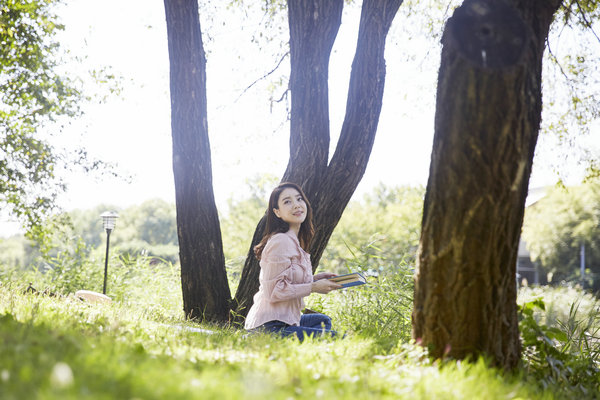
[[324, 286], [323, 275]]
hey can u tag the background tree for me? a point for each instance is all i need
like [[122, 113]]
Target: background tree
[[148, 229], [558, 225], [328, 184], [37, 101], [33, 95], [465, 297], [378, 233], [206, 293]]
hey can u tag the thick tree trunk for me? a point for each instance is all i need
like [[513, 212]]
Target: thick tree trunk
[[363, 107], [311, 41], [486, 126], [313, 27], [206, 294]]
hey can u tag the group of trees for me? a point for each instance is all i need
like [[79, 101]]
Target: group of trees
[[481, 161], [378, 233], [491, 60], [329, 183], [147, 229]]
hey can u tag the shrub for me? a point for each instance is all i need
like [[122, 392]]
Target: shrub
[[561, 349]]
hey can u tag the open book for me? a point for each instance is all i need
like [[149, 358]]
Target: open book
[[348, 280]]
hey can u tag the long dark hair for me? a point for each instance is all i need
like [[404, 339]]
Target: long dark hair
[[277, 225]]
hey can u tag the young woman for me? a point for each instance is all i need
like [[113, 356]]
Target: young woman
[[285, 269]]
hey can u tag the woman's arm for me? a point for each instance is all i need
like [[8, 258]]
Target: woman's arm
[[324, 286]]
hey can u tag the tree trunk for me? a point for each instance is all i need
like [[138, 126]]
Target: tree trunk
[[486, 126], [313, 27], [363, 107], [311, 41], [206, 294]]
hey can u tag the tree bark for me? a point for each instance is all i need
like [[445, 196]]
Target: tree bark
[[486, 126], [363, 107], [313, 27], [206, 294]]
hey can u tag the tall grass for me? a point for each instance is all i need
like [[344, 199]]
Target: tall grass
[[379, 310]]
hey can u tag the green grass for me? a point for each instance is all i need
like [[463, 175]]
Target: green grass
[[140, 347], [62, 348]]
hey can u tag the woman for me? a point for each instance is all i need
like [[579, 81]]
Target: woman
[[285, 269]]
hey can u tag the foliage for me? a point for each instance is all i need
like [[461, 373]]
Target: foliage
[[70, 269], [13, 251], [148, 229], [33, 95], [149, 283], [139, 227], [56, 346], [379, 310], [379, 233], [562, 353], [366, 238], [570, 85], [556, 227], [87, 224], [39, 97]]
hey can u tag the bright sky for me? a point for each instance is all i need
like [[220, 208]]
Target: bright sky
[[247, 139]]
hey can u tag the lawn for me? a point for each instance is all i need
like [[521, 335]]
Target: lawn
[[59, 347]]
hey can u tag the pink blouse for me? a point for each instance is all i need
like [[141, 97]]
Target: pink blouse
[[285, 279]]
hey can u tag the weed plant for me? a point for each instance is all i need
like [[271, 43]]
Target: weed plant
[[560, 330]]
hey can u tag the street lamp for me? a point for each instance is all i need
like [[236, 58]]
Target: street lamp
[[109, 218]]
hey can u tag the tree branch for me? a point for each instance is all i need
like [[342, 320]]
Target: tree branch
[[585, 20], [262, 77]]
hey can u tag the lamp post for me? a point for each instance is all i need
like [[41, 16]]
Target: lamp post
[[109, 219], [582, 264]]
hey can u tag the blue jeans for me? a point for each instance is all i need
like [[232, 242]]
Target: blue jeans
[[310, 325]]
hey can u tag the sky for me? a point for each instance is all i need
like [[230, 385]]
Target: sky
[[248, 137]]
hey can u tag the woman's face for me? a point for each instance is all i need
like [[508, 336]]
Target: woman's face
[[291, 208]]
